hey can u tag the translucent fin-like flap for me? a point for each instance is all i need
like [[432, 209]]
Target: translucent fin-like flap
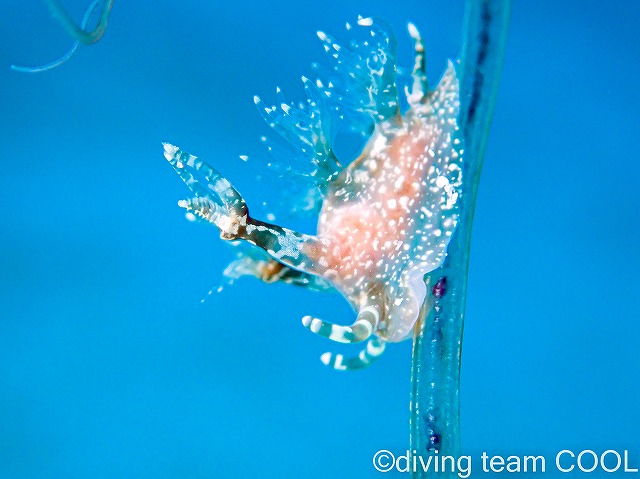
[[439, 211], [307, 128], [364, 71], [255, 262]]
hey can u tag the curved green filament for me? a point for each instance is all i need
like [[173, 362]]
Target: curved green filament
[[435, 371], [79, 32], [66, 56]]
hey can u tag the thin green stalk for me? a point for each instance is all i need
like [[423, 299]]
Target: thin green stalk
[[435, 369], [77, 32]]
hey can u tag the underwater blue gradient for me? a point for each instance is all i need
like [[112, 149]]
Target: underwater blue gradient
[[110, 367]]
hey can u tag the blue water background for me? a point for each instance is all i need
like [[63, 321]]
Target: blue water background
[[110, 367]]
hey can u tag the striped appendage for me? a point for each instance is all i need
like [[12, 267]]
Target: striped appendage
[[375, 348]]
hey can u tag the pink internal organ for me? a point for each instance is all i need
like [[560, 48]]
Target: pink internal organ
[[364, 231]]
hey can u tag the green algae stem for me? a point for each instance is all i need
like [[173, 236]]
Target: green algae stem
[[435, 370], [78, 32]]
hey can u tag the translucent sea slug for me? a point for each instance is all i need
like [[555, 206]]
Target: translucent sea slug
[[385, 220]]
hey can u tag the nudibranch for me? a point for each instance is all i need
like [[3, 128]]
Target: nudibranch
[[385, 220]]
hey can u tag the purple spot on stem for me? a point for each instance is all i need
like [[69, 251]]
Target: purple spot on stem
[[440, 288]]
